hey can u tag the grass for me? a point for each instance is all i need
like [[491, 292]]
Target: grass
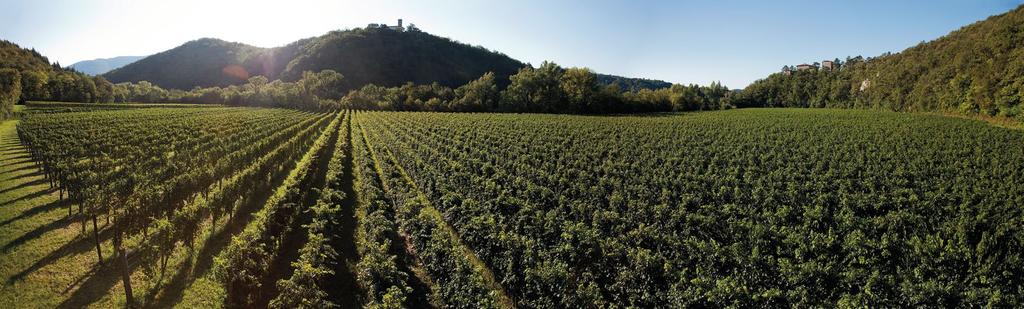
[[37, 266], [45, 261]]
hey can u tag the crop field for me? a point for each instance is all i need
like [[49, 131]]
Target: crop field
[[182, 206]]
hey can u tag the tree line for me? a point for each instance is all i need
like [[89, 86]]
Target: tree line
[[545, 89], [549, 88], [66, 86], [25, 75]]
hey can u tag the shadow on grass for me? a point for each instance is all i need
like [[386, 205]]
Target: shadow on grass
[[98, 281], [36, 233], [24, 157], [23, 168], [75, 246], [24, 185], [19, 162], [34, 210], [33, 174]]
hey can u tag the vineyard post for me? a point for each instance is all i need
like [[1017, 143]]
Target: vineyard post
[[85, 220], [126, 276], [96, 237]]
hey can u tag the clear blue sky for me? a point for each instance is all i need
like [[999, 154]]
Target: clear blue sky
[[734, 42]]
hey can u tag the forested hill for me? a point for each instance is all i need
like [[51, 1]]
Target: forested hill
[[27, 75], [976, 69], [364, 56], [392, 58], [205, 63], [14, 57]]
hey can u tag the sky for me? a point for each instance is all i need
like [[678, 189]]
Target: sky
[[729, 41]]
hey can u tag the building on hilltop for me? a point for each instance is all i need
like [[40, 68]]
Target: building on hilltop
[[828, 65], [825, 65], [398, 27], [804, 66]]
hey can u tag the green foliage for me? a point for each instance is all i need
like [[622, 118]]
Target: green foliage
[[377, 272], [10, 91], [536, 90], [548, 89], [580, 88], [318, 258], [244, 267], [313, 92], [15, 57], [744, 208], [631, 84], [479, 95]]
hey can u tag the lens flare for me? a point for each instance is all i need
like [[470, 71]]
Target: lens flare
[[236, 71]]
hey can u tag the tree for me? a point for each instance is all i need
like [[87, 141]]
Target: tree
[[580, 88], [10, 91], [84, 89], [479, 95], [326, 84], [535, 90], [33, 86], [104, 90]]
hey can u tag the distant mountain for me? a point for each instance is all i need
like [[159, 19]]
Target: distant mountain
[[103, 65], [627, 83]]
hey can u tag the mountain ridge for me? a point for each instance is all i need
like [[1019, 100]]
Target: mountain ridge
[[103, 65]]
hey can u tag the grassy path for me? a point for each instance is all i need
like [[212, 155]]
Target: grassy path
[[43, 260]]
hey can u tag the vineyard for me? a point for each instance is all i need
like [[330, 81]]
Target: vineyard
[[248, 207]]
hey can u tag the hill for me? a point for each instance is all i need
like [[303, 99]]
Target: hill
[[103, 65], [14, 57], [391, 58], [379, 56], [976, 69], [204, 62]]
